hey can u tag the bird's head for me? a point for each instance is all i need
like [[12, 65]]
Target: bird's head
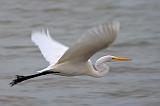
[[110, 58]]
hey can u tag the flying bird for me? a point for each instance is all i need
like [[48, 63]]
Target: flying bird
[[75, 60]]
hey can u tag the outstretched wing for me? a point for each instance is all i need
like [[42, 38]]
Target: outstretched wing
[[50, 48], [93, 41]]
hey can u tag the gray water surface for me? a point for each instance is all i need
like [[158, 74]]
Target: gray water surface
[[135, 83]]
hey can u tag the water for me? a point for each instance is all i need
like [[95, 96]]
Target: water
[[135, 83]]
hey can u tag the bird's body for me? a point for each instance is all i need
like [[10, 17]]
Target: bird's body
[[73, 68], [75, 60]]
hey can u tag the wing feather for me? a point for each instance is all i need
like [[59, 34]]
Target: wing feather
[[50, 48], [93, 41]]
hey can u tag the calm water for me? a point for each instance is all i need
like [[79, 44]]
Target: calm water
[[135, 83]]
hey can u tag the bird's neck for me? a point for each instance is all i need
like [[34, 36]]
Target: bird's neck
[[100, 68]]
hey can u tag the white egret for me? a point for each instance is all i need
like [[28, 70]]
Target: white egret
[[75, 60]]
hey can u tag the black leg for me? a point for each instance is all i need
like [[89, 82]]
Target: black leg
[[20, 78]]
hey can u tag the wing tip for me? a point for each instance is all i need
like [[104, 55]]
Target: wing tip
[[116, 25], [112, 29], [40, 33]]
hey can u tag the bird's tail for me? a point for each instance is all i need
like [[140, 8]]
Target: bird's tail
[[20, 78]]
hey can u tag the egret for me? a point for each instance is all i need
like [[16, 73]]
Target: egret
[[75, 61]]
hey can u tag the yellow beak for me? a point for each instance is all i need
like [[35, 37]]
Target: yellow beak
[[121, 59]]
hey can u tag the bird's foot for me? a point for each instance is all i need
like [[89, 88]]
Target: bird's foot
[[18, 79]]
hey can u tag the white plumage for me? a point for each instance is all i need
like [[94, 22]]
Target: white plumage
[[50, 48], [75, 60]]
